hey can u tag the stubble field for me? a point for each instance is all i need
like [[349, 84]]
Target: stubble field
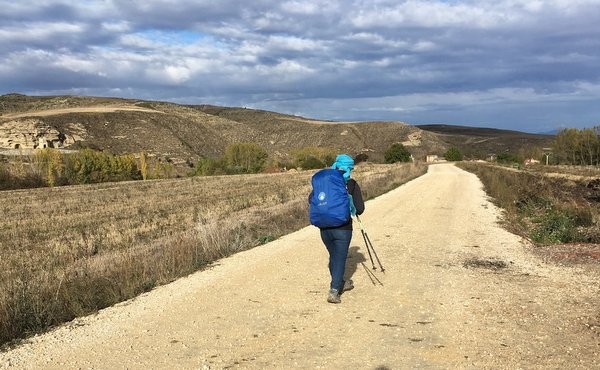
[[69, 251]]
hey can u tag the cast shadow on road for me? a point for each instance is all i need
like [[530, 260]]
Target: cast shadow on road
[[356, 258]]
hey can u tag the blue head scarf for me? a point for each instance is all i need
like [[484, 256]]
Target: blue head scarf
[[345, 163]]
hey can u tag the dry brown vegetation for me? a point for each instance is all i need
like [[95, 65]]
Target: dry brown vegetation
[[69, 251], [567, 172], [558, 208]]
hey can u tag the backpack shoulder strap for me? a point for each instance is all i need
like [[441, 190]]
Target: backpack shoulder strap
[[350, 186]]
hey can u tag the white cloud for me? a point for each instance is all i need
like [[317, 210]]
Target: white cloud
[[177, 74], [294, 43], [76, 64], [116, 27], [39, 31], [301, 7], [431, 14], [588, 90], [376, 40], [332, 57]]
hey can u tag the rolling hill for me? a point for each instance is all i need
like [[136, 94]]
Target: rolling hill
[[480, 142], [185, 133]]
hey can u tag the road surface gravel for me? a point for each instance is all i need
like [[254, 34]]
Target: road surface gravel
[[458, 292]]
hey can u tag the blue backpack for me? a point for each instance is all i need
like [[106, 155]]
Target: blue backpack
[[329, 202]]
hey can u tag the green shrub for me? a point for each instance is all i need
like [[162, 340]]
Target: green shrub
[[554, 227], [209, 167], [238, 158], [508, 158], [312, 163], [397, 153], [88, 166], [310, 158], [538, 207], [453, 154], [245, 158], [49, 164]]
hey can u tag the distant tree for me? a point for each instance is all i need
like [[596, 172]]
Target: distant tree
[[590, 147], [50, 166], [508, 158], [577, 147], [397, 153], [209, 167], [245, 157], [309, 158], [453, 154], [144, 165], [164, 170], [88, 166], [311, 163]]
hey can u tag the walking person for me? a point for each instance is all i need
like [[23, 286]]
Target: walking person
[[337, 235]]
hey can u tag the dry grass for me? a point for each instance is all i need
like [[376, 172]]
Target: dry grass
[[69, 251], [547, 207], [572, 172]]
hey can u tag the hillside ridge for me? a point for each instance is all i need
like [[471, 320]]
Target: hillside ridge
[[184, 133]]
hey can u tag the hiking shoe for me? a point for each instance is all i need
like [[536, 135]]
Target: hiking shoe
[[348, 285], [334, 296]]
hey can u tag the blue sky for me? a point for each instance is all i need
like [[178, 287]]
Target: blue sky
[[515, 64]]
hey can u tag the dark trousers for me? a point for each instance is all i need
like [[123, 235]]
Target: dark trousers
[[337, 242]]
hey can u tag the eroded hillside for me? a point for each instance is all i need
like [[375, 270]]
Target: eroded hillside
[[186, 133]]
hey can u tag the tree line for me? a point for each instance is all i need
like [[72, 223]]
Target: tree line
[[577, 147], [51, 167]]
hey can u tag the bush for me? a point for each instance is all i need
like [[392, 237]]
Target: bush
[[508, 158], [311, 163], [49, 164], [238, 158], [547, 210], [310, 158], [554, 227], [397, 153], [209, 167], [453, 154], [88, 166], [245, 158]]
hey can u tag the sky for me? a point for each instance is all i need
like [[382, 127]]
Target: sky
[[514, 64]]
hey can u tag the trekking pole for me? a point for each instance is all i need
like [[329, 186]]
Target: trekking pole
[[366, 237], [371, 275]]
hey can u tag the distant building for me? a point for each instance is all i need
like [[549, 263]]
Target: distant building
[[432, 158], [530, 161]]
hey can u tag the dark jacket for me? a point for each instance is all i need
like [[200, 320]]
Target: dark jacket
[[359, 204]]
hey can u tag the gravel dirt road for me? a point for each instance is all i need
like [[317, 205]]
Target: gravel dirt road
[[458, 292]]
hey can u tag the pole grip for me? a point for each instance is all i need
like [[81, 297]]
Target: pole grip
[[359, 223]]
